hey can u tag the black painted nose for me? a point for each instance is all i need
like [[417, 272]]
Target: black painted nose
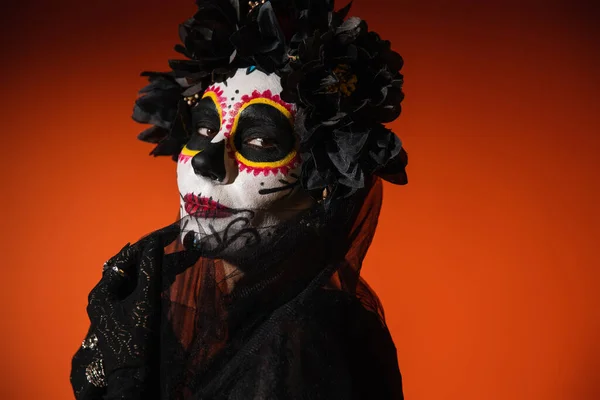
[[210, 162]]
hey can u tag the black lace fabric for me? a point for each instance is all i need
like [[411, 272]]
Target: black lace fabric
[[284, 318]]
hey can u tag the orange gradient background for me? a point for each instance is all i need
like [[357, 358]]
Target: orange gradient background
[[486, 262]]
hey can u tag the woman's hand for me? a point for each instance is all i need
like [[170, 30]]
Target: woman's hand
[[124, 312], [123, 307]]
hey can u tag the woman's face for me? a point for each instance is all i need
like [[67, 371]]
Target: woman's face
[[240, 170]]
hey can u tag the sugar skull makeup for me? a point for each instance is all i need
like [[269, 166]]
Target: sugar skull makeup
[[240, 169]]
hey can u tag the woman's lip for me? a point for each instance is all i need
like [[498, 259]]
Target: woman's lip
[[204, 207]]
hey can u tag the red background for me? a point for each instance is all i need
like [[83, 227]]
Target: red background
[[486, 261]]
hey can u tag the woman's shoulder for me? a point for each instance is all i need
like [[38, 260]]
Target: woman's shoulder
[[332, 306], [333, 337]]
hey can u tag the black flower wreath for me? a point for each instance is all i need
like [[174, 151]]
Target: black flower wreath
[[345, 80]]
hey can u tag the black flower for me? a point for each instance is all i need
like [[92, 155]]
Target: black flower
[[340, 157], [205, 37], [345, 70], [261, 41], [345, 81], [158, 105]]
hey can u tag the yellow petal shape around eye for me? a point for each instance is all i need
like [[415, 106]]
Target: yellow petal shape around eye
[[253, 164], [215, 99], [274, 164], [187, 152], [261, 100]]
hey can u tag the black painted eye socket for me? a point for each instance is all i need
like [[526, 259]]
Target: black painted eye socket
[[264, 134], [261, 143], [206, 123]]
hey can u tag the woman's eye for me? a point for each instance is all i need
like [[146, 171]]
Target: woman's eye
[[262, 143], [206, 132]]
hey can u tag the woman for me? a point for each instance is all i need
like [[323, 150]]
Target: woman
[[275, 121]]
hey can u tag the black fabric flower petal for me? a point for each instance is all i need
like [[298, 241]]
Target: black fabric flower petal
[[350, 30], [317, 173], [161, 104], [394, 170], [315, 16], [179, 133], [383, 147], [158, 103], [343, 157], [205, 37], [154, 134], [261, 42]]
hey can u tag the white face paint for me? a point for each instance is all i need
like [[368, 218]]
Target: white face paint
[[241, 167]]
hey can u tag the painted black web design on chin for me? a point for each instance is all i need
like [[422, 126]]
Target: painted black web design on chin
[[238, 233]]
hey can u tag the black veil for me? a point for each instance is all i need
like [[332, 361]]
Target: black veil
[[288, 308]]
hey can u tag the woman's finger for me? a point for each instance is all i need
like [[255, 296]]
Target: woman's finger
[[105, 292], [165, 236], [168, 234], [149, 273], [124, 262]]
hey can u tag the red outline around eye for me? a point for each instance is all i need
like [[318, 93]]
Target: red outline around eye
[[266, 169]]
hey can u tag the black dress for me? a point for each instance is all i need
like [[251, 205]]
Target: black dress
[[309, 329]]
